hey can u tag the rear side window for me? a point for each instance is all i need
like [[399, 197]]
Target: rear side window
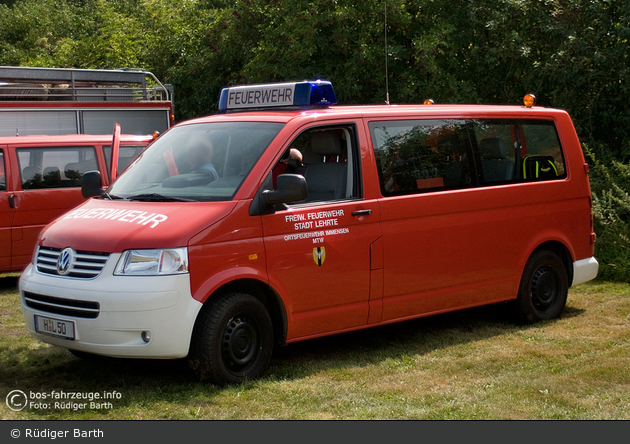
[[417, 156], [516, 151], [55, 167], [422, 155]]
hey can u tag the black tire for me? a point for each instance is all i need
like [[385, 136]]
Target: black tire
[[542, 293], [232, 341]]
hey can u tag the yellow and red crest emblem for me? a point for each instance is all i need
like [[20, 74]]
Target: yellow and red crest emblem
[[319, 255]]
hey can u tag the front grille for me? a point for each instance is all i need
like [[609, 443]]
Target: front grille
[[84, 264], [62, 306]]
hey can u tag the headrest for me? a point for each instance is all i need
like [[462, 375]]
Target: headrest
[[29, 172], [76, 166], [325, 143], [492, 148]]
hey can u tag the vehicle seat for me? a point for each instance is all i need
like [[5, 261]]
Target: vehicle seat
[[326, 180], [52, 176], [404, 171], [456, 171], [494, 162], [73, 171], [76, 169]]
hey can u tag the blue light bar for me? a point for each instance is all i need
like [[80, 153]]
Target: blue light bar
[[272, 95]]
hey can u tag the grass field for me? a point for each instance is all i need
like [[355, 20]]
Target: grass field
[[472, 364]]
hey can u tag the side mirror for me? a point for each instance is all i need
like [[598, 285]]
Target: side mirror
[[91, 184], [290, 188]]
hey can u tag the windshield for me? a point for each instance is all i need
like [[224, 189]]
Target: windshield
[[197, 162]]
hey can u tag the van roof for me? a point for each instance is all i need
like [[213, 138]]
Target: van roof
[[383, 111], [74, 139]]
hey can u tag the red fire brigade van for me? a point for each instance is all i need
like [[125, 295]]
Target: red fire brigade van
[[392, 213], [40, 179]]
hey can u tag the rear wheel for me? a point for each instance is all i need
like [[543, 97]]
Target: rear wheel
[[543, 290], [233, 340]]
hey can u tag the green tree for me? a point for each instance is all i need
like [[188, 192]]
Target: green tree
[[30, 30]]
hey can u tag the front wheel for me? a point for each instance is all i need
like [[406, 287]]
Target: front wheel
[[233, 340], [543, 290], [86, 356]]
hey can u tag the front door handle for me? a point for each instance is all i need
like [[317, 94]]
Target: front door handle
[[12, 200], [362, 212]]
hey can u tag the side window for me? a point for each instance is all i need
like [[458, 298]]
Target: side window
[[512, 151], [126, 154], [327, 158], [3, 176], [55, 167], [497, 142], [421, 155]]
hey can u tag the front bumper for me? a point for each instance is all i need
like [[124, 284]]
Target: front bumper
[[161, 306]]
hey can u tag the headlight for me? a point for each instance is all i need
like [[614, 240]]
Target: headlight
[[153, 262]]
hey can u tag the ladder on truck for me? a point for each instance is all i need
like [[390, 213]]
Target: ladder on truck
[[55, 101], [81, 85]]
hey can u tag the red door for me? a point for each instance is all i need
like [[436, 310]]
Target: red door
[[6, 215], [319, 253], [319, 260], [50, 187]]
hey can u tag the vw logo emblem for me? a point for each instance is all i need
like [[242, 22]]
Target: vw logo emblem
[[64, 261]]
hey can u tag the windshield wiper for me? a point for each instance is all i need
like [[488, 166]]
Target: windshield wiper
[[111, 196], [155, 197]]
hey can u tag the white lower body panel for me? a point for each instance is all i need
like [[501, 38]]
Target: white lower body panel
[[160, 306], [584, 270]]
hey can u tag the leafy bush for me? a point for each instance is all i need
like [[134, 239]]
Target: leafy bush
[[610, 186]]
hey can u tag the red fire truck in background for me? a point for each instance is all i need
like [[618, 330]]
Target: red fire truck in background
[[56, 101], [55, 125]]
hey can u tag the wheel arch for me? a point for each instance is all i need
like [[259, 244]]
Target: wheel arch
[[562, 252], [262, 292]]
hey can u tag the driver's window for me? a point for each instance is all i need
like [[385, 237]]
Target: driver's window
[[327, 159]]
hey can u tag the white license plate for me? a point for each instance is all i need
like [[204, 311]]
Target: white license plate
[[54, 327]]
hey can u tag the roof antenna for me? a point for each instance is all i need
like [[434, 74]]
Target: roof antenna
[[386, 73]]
